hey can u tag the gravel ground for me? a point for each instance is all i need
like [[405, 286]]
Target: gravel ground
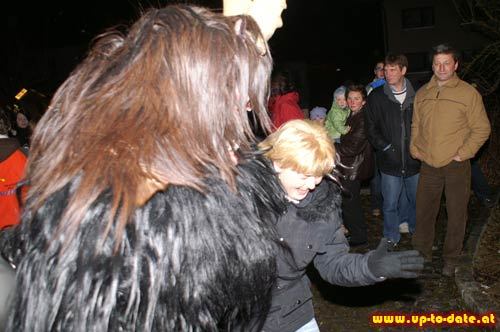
[[487, 260]]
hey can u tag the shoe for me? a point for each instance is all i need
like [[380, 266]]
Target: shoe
[[376, 212], [448, 270], [403, 228]]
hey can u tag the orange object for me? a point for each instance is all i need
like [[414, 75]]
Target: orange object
[[11, 173]]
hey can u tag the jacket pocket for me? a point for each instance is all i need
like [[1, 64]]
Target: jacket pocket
[[295, 298], [391, 158]]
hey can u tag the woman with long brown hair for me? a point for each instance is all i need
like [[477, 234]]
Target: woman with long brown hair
[[137, 217]]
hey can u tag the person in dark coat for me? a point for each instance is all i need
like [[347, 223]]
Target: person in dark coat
[[310, 230], [147, 210], [355, 156], [388, 117]]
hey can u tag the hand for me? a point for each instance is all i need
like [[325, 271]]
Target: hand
[[347, 129], [457, 158], [396, 264], [417, 156]]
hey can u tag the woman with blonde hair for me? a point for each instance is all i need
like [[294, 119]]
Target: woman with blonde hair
[[302, 154]]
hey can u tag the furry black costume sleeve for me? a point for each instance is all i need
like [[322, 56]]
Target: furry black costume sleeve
[[187, 262]]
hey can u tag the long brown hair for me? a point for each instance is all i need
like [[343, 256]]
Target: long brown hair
[[155, 106]]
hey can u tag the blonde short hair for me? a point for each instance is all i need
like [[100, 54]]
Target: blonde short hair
[[301, 145]]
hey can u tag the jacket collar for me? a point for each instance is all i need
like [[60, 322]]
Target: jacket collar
[[452, 83], [410, 93]]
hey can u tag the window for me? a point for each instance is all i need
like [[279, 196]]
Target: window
[[418, 62], [417, 17]]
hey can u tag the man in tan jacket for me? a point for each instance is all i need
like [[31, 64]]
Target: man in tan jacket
[[449, 126]]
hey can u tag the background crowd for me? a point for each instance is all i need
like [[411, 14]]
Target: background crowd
[[378, 137]]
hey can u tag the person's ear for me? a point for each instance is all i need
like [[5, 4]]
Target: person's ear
[[403, 70]]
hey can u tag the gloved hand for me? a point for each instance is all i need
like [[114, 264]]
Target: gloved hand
[[396, 264]]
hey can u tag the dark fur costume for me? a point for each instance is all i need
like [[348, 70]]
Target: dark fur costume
[[188, 261]]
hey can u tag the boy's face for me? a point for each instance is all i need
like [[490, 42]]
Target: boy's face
[[296, 185], [340, 100]]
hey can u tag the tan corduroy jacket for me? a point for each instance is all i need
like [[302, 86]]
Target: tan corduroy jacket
[[448, 120]]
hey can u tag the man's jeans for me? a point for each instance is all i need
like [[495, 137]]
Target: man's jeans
[[399, 201]]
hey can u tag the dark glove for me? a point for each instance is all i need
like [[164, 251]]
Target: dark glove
[[396, 264]]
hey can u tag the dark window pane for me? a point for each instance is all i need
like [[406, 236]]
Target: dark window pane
[[417, 17], [418, 62]]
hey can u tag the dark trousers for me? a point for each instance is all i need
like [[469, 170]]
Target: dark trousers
[[480, 185], [352, 211], [376, 189], [455, 179]]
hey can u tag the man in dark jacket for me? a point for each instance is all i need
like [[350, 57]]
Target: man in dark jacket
[[388, 123], [310, 229]]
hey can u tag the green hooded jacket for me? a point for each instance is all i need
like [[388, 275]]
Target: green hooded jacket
[[335, 121]]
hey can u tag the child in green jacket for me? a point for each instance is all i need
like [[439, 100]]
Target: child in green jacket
[[336, 118]]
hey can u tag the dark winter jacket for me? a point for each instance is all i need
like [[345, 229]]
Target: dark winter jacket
[[311, 231], [388, 122], [354, 150], [188, 261]]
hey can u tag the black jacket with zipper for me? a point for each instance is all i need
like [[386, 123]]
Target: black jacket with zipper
[[388, 123]]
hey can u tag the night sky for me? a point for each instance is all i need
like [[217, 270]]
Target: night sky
[[327, 41]]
